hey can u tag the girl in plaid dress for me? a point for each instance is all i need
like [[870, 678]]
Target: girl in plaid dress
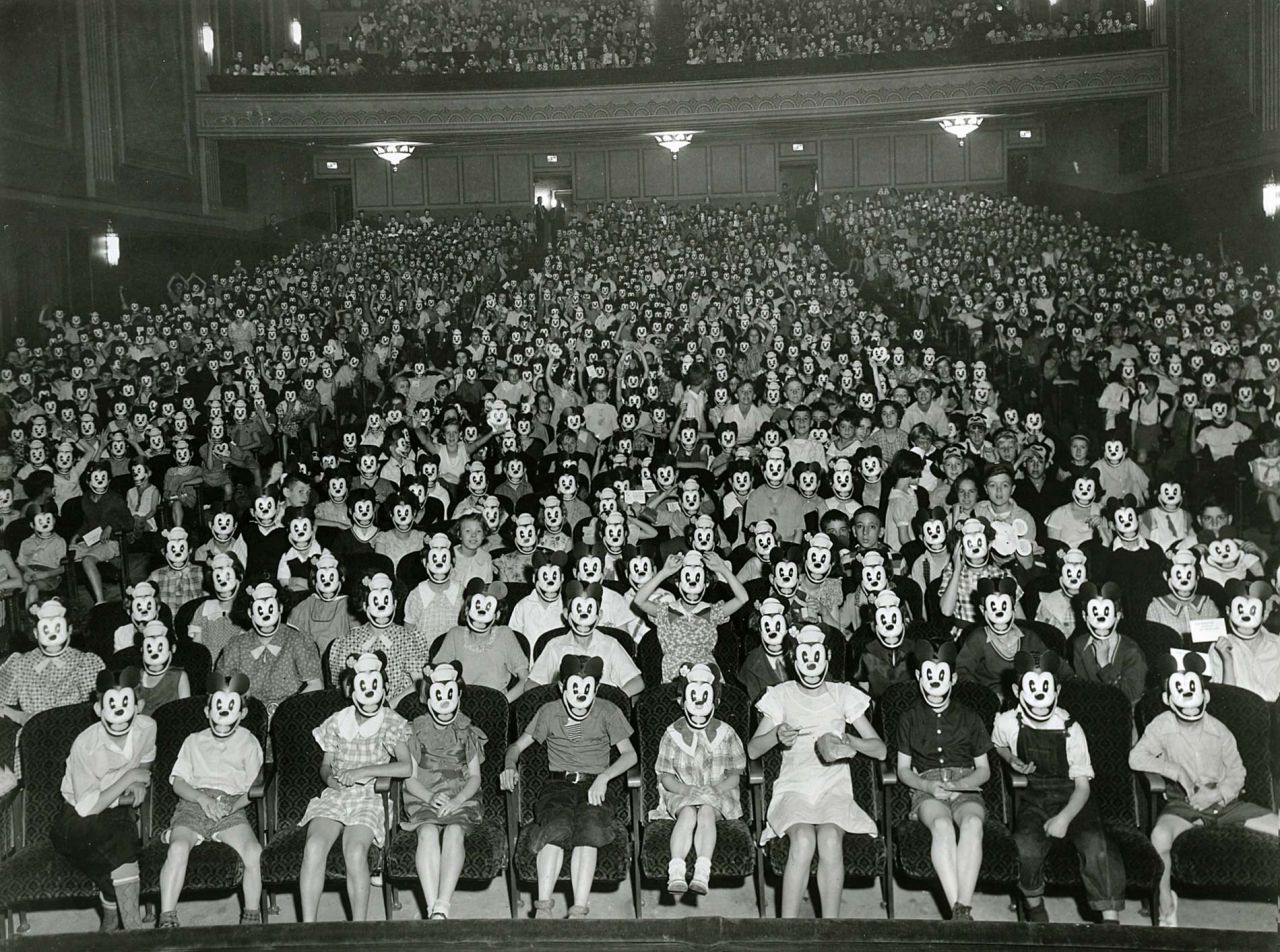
[[361, 744], [700, 761]]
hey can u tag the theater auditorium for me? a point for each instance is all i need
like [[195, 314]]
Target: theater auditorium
[[678, 474]]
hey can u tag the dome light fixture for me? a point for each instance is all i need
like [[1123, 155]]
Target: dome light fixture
[[206, 39], [393, 152], [295, 32], [673, 142], [961, 125]]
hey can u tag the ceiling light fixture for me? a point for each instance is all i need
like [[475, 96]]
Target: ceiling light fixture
[[1271, 196], [673, 142], [393, 152], [961, 125]]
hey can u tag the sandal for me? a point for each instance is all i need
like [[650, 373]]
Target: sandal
[[544, 909]]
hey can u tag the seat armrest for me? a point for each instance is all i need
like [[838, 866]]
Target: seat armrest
[[1156, 783], [755, 773], [633, 777], [258, 790], [382, 786], [888, 774], [1017, 781]]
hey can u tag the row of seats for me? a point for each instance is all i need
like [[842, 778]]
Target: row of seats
[[1206, 857]]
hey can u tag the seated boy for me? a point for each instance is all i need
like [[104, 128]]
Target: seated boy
[[212, 776], [573, 811], [1197, 753], [107, 774], [1040, 740]]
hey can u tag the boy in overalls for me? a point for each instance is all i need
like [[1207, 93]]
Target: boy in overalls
[[1041, 741]]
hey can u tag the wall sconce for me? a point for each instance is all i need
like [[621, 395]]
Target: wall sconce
[[206, 40], [111, 246], [673, 142], [1271, 196], [295, 32]]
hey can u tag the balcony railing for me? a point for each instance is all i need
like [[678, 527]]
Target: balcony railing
[[378, 81]]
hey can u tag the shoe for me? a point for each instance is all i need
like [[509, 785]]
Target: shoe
[[676, 883], [438, 915], [110, 917], [579, 912], [961, 913], [701, 876], [440, 910], [375, 879], [1169, 917], [1036, 913], [251, 917], [167, 920], [544, 909]]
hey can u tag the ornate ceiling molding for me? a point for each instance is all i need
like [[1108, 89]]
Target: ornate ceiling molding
[[706, 105]]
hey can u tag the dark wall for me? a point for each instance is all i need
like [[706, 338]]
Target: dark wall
[[97, 125]]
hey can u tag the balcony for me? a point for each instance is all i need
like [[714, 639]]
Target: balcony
[[1014, 77]]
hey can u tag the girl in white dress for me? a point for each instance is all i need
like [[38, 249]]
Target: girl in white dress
[[813, 803]]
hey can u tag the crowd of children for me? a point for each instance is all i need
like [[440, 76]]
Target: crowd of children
[[682, 450]]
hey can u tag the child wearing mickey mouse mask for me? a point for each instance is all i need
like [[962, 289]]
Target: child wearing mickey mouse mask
[[700, 761], [813, 803], [1198, 754], [942, 758], [1041, 741], [361, 743], [440, 797], [212, 776], [108, 770], [573, 813], [49, 675]]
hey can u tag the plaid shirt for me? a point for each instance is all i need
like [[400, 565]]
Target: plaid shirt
[[966, 610], [34, 683], [406, 650], [1178, 614], [176, 587]]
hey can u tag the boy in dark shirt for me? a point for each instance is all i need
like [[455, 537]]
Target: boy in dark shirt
[[573, 811]]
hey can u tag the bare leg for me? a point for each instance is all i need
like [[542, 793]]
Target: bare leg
[[795, 878], [355, 850], [321, 835], [550, 861], [830, 868], [246, 845], [452, 855], [704, 841], [91, 572], [428, 863], [969, 817], [582, 871], [942, 851], [682, 833], [174, 872], [1167, 829]]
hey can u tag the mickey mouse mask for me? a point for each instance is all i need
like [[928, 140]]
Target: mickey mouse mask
[[935, 670], [1037, 683], [579, 678], [810, 656], [1184, 685], [368, 684], [53, 632], [442, 687], [700, 693], [227, 703], [117, 700]]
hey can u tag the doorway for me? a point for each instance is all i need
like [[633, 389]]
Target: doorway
[[798, 192], [341, 205], [1019, 172], [552, 199]]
